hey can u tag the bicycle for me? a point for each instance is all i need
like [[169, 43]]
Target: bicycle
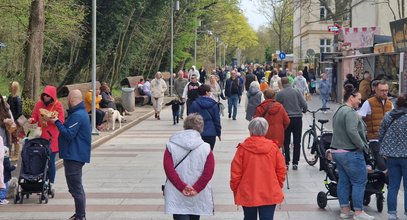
[[310, 139]]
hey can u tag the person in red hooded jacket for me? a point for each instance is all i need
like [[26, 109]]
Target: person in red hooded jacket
[[276, 117], [48, 100], [258, 173]]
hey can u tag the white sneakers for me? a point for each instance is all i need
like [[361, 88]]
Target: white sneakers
[[3, 201], [363, 216]]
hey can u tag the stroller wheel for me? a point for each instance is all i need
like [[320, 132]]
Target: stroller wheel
[[322, 199], [21, 198], [16, 198], [366, 200], [379, 202]]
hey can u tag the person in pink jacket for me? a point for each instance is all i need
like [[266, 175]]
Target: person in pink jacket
[[49, 101]]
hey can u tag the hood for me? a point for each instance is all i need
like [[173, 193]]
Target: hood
[[253, 91], [398, 112], [205, 102], [274, 109], [187, 139], [51, 91], [257, 145]]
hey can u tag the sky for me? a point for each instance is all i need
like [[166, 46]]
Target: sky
[[254, 17]]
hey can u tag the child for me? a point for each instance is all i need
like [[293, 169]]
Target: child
[[263, 85], [8, 168], [175, 104], [3, 187]]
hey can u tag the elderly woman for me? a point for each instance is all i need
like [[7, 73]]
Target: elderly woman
[[348, 143], [275, 115], [158, 87], [258, 167], [209, 110], [393, 139], [189, 165], [254, 98], [215, 88]]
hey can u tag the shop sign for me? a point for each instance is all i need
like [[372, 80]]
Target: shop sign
[[399, 34]]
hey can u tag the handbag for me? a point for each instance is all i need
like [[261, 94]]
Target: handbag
[[163, 186], [308, 97]]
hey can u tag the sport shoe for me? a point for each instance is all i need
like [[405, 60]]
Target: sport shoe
[[295, 167], [3, 201], [346, 215], [362, 216], [230, 115], [393, 217]]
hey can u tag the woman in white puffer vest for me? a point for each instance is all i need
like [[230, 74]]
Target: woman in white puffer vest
[[189, 165]]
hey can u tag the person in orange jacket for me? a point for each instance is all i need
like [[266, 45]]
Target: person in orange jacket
[[257, 173], [48, 100]]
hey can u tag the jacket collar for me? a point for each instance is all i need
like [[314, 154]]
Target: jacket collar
[[77, 107]]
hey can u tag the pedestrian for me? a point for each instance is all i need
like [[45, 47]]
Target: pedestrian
[[258, 173], [191, 92], [8, 168], [175, 107], [179, 85], [194, 71], [75, 144], [263, 84], [290, 78], [365, 87], [393, 146], [372, 112], [254, 98], [16, 108], [348, 145], [250, 77], [300, 83], [158, 87], [209, 110], [189, 165], [49, 102], [233, 93], [275, 115], [6, 122], [3, 187], [305, 74], [294, 104], [350, 79], [324, 90], [202, 75], [215, 88], [275, 82], [259, 73], [88, 105]]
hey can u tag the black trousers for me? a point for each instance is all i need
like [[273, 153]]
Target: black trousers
[[185, 217], [211, 140], [294, 128], [73, 174], [99, 116]]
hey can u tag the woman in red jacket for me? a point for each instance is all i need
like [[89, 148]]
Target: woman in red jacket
[[258, 173], [276, 117], [48, 101]]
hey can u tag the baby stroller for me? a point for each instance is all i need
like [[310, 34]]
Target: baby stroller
[[375, 179], [34, 174]]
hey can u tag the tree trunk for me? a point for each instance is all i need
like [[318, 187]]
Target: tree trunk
[[34, 50]]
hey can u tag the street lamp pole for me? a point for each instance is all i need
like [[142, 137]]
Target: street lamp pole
[[172, 44], [94, 130], [216, 40]]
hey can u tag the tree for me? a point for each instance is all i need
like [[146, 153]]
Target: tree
[[34, 50]]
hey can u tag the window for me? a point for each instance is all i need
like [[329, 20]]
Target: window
[[325, 45], [322, 12]]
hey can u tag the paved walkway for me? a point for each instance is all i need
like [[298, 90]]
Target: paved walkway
[[125, 174]]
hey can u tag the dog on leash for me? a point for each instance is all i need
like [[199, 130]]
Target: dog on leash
[[113, 116]]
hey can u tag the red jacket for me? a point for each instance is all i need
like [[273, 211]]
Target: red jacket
[[55, 106], [258, 172], [277, 118]]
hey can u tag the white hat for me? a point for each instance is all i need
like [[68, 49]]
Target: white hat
[[193, 67]]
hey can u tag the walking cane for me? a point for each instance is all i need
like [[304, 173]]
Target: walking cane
[[286, 174]]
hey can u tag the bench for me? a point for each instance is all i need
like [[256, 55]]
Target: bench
[[131, 82]]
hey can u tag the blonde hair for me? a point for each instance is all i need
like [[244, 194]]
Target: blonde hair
[[14, 88]]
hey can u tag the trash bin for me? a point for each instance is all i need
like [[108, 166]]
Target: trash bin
[[128, 99]]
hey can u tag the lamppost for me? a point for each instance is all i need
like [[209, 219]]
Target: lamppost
[[176, 7], [216, 47], [94, 130], [196, 36]]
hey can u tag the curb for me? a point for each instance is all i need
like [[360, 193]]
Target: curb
[[97, 143]]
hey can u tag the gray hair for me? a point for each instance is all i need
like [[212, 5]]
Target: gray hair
[[255, 84], [258, 126], [194, 121]]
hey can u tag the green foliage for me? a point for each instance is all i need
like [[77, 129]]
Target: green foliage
[[28, 107]]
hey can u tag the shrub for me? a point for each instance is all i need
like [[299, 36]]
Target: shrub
[[28, 107]]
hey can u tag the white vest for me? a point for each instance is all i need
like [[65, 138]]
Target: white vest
[[189, 171]]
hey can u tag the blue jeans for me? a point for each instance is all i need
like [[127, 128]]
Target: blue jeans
[[232, 102], [352, 177], [73, 174], [175, 117], [52, 169], [397, 169], [3, 192], [266, 212], [324, 101]]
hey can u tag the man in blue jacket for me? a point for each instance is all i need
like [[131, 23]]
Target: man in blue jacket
[[74, 148], [233, 92]]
